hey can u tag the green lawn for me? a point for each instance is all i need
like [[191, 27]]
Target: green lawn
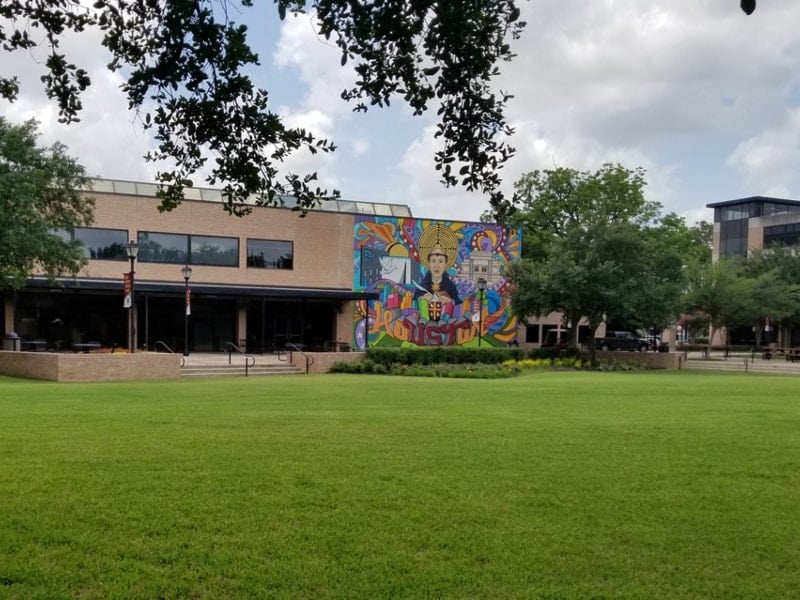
[[550, 485]]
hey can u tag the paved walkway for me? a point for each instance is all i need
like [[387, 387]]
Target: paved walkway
[[745, 363], [215, 359]]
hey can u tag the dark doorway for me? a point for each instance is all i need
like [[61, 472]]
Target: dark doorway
[[272, 325]]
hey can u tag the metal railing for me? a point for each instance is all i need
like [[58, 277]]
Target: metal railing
[[296, 348], [230, 348], [162, 344]]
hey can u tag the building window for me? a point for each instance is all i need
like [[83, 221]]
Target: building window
[[169, 248], [737, 212], [782, 235], [733, 238], [270, 254], [220, 251], [181, 249], [99, 244]]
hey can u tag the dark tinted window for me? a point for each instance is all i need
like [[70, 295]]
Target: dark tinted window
[[270, 254]]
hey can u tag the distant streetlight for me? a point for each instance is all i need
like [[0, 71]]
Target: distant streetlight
[[132, 249], [187, 273], [482, 290]]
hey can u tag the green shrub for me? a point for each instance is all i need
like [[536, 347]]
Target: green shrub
[[431, 355]]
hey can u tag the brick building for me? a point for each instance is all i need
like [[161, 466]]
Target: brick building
[[326, 280]]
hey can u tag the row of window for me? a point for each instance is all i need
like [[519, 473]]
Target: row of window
[[783, 235], [749, 210], [183, 249]]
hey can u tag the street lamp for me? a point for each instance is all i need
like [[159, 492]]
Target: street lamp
[[132, 248], [187, 273], [482, 290]]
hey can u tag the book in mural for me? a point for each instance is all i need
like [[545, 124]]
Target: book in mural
[[439, 283]]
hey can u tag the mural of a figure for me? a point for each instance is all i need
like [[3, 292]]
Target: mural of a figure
[[438, 247], [427, 276], [437, 285]]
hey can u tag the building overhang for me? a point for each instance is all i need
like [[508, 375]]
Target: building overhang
[[204, 289], [753, 199]]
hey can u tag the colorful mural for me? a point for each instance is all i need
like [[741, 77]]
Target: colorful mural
[[429, 275]]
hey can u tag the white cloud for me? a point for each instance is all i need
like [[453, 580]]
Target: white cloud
[[702, 96], [770, 160]]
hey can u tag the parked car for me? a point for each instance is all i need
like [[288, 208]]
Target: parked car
[[654, 342], [621, 340]]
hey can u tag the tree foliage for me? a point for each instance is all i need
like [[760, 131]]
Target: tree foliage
[[748, 291], [38, 198], [596, 249], [188, 59]]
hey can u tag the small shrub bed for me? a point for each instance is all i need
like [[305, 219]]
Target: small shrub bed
[[434, 355], [466, 371], [499, 362]]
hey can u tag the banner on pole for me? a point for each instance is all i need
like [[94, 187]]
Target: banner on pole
[[188, 301], [127, 300]]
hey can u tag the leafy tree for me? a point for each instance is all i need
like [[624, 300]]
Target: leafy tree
[[673, 250], [595, 248], [590, 274], [723, 293], [38, 196], [776, 295], [555, 202], [189, 60]]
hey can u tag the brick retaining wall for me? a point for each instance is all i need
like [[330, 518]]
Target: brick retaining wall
[[90, 367], [323, 361], [652, 360]]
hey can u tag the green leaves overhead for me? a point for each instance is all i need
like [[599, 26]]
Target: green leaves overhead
[[185, 64]]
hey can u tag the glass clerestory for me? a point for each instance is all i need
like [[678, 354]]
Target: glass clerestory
[[186, 249], [98, 243]]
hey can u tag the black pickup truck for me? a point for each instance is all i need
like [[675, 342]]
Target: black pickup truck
[[621, 340]]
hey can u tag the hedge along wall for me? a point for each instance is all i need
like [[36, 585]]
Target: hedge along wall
[[460, 355], [90, 367]]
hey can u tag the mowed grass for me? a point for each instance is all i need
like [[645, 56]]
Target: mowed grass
[[550, 485]]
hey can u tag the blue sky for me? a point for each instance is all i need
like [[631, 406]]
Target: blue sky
[[705, 98]]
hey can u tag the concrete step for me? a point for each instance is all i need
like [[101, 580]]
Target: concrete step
[[239, 370], [743, 365]]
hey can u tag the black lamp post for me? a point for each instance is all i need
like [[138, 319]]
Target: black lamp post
[[132, 248], [187, 273], [482, 290]]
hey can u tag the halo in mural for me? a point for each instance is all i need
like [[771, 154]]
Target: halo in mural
[[440, 238]]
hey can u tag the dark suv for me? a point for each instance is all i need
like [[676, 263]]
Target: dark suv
[[621, 340]]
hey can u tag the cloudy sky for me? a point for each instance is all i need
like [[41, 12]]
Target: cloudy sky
[[705, 98]]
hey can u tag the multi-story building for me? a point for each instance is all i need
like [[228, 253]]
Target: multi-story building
[[328, 279], [752, 223], [755, 222]]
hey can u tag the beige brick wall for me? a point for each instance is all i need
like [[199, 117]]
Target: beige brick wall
[[323, 242], [90, 367]]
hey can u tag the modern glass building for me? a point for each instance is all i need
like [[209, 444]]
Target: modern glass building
[[755, 222]]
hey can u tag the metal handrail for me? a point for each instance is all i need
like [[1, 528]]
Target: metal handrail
[[295, 348], [168, 349], [230, 348]]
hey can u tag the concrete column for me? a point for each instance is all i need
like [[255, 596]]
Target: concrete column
[[8, 314], [241, 325]]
